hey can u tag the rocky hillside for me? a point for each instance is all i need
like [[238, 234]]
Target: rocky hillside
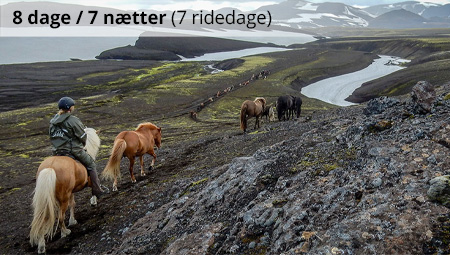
[[349, 181], [354, 180]]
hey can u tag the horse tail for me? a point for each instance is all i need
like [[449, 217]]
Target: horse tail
[[112, 169], [243, 117], [45, 207]]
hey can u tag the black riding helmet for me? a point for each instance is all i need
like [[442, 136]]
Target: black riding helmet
[[65, 103]]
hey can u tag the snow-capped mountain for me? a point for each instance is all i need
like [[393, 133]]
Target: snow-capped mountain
[[287, 16], [304, 14], [424, 9]]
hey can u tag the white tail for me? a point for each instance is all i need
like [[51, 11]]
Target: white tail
[[92, 142], [45, 209]]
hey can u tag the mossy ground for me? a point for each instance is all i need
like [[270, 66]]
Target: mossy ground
[[116, 96]]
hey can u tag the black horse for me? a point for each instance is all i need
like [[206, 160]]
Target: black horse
[[285, 106], [297, 106]]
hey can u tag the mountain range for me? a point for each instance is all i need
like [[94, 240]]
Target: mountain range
[[294, 14], [411, 14]]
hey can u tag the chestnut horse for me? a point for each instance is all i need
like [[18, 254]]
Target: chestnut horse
[[57, 179], [252, 109], [132, 144]]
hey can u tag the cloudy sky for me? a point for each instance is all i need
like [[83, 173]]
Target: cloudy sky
[[245, 5]]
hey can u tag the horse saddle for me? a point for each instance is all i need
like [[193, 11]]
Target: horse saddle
[[63, 153]]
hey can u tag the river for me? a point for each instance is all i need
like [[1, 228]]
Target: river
[[336, 89]]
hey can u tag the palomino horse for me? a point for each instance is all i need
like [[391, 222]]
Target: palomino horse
[[57, 179], [269, 113], [132, 144], [252, 109]]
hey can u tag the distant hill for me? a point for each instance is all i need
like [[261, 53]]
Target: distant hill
[[304, 14], [167, 48], [426, 10], [399, 19], [437, 11]]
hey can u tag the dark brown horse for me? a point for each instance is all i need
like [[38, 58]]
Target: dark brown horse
[[132, 144], [285, 107], [298, 106], [252, 109], [57, 179]]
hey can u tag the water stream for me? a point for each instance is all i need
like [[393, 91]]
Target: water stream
[[336, 89]]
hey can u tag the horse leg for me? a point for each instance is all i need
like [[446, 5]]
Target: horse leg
[[72, 220], [141, 159], [115, 184], [133, 179], [256, 122], [152, 152], [62, 214], [41, 245]]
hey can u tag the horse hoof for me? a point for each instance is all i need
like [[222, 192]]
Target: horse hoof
[[41, 250], [142, 174], [73, 222], [133, 181], [114, 188], [93, 200], [65, 233]]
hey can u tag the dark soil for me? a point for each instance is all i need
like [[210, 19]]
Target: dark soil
[[111, 100], [110, 97]]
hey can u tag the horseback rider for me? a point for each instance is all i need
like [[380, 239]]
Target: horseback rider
[[68, 139]]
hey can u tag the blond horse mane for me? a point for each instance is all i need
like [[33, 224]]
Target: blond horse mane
[[92, 142], [148, 125], [262, 99]]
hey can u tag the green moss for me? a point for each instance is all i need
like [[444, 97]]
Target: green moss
[[330, 167], [447, 97], [293, 170], [305, 163], [193, 185], [279, 203], [13, 190], [199, 182], [257, 132]]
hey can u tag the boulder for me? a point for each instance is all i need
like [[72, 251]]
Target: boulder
[[379, 105], [440, 190], [423, 96]]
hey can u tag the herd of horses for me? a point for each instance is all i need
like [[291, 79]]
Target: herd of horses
[[287, 107], [59, 177]]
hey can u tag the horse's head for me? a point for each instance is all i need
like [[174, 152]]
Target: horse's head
[[158, 138], [156, 131]]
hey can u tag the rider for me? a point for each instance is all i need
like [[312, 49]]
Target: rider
[[69, 139]]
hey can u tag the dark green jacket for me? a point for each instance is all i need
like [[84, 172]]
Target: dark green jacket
[[67, 133]]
